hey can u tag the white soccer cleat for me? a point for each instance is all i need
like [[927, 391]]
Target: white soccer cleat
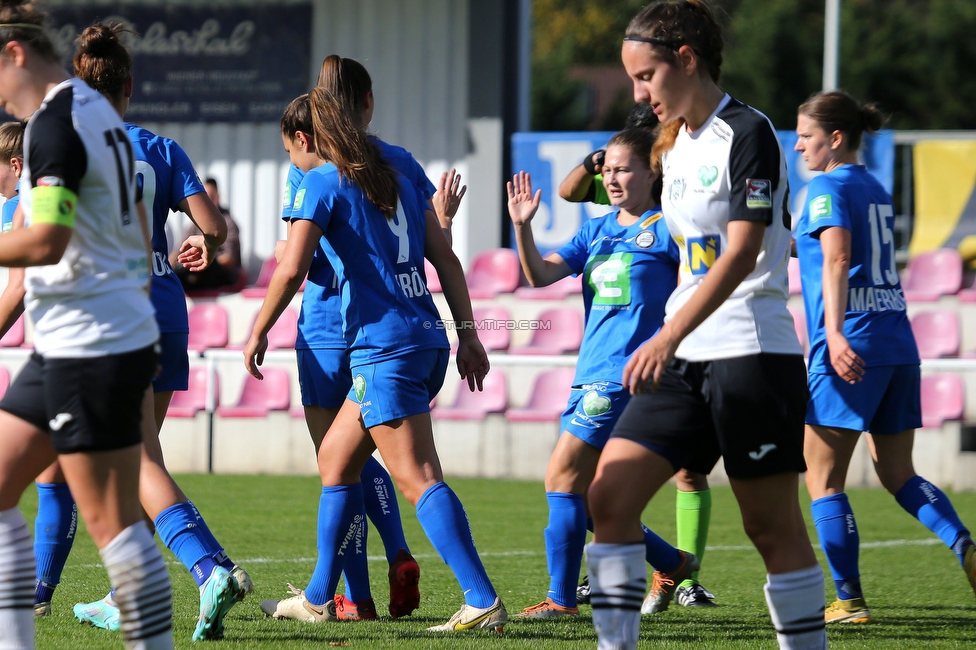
[[473, 618], [297, 608]]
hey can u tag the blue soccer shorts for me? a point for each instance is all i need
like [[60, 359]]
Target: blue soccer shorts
[[399, 387], [887, 400]]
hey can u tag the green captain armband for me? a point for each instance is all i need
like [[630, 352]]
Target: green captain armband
[[54, 205]]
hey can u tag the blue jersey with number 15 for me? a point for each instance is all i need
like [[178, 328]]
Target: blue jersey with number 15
[[386, 308], [164, 176], [876, 323]]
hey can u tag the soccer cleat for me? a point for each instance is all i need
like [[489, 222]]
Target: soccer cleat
[[297, 608], [346, 610], [694, 596], [969, 566], [42, 609], [548, 609], [583, 592], [854, 610], [217, 595], [101, 613], [472, 618], [664, 585], [244, 584], [404, 585]]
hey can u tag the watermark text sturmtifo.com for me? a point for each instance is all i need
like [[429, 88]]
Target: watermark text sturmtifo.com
[[489, 324]]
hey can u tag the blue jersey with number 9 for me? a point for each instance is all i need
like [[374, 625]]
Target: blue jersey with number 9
[[876, 323], [386, 308], [164, 177]]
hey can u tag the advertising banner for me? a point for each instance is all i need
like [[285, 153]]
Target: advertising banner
[[204, 63]]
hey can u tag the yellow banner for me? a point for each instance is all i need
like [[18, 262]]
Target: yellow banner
[[945, 207]]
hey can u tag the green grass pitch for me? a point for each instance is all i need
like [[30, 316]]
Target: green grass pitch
[[916, 590]]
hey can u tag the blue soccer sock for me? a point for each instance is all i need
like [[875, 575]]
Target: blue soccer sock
[[340, 514], [185, 533], [932, 507], [54, 533], [356, 568], [220, 557], [837, 530], [565, 537], [658, 553], [443, 519], [382, 508]]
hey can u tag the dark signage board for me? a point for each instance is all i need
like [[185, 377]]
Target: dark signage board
[[204, 63]]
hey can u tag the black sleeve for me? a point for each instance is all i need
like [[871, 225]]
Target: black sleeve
[[55, 150], [754, 170]]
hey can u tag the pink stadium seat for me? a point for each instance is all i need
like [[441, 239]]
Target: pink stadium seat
[[563, 332], [260, 287], [14, 338], [493, 272], [800, 323], [794, 273], [187, 403], [285, 331], [260, 397], [492, 323], [209, 326], [937, 333], [558, 290], [943, 398], [433, 282], [933, 274], [476, 405], [4, 381], [549, 397]]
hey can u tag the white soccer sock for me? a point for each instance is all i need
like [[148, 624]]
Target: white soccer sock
[[16, 582], [796, 605], [142, 590], [618, 579]]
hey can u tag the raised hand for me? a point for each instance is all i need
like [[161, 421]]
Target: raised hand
[[448, 196], [522, 204]]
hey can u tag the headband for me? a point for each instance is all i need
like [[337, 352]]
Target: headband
[[653, 41]]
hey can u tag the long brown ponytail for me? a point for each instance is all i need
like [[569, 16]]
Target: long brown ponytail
[[340, 132]]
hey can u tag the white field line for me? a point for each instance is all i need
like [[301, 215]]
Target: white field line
[[931, 541]]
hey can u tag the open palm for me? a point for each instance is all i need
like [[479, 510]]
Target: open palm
[[522, 204]]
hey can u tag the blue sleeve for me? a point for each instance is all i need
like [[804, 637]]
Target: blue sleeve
[[315, 199], [576, 251], [7, 218], [421, 181], [826, 206], [185, 181], [295, 176]]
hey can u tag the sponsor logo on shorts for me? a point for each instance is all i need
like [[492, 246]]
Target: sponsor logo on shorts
[[359, 384], [820, 207], [759, 193], [60, 420], [707, 175], [595, 404], [763, 450]]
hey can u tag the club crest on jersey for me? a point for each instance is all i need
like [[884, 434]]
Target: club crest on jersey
[[702, 253], [759, 193], [359, 384], [50, 181], [820, 207], [677, 189], [645, 239], [707, 175]]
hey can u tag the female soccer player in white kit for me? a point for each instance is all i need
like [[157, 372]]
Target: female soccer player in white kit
[[725, 374], [79, 397]]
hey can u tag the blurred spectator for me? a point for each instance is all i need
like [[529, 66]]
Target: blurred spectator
[[225, 270]]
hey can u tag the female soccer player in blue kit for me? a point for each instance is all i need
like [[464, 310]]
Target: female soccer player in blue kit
[[630, 268], [166, 181], [361, 209], [323, 359], [864, 367]]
